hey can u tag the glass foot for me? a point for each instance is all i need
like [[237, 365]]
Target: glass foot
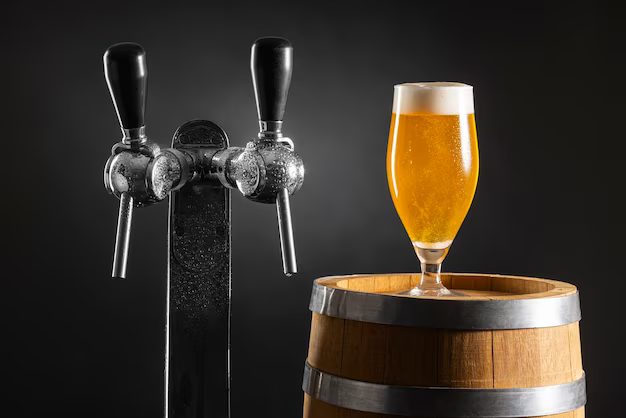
[[434, 291]]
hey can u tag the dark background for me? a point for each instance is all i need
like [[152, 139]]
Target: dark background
[[549, 94]]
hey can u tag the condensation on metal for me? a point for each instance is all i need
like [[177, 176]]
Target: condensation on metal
[[445, 313], [421, 401], [200, 232], [199, 284]]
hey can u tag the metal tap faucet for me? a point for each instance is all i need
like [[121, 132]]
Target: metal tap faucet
[[124, 174], [271, 64], [268, 170], [197, 173], [139, 173]]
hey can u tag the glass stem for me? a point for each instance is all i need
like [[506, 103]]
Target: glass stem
[[431, 276]]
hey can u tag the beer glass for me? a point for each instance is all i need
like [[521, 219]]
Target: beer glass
[[432, 169]]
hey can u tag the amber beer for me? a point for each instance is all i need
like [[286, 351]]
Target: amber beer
[[432, 160]]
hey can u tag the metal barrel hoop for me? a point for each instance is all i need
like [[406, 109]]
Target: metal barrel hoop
[[443, 401], [448, 314]]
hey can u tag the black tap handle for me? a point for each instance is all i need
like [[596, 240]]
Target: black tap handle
[[271, 64], [126, 73]]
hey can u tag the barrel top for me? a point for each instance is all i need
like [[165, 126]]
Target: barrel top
[[476, 286], [492, 301]]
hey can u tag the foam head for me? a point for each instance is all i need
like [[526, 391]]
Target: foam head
[[437, 98]]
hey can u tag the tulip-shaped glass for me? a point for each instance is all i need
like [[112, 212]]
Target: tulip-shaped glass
[[432, 169]]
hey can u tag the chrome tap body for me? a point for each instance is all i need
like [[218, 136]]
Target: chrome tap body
[[197, 173]]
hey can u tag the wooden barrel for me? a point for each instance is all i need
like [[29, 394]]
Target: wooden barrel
[[510, 348]]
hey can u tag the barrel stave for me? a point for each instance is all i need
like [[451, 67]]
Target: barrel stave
[[464, 359], [363, 355], [326, 343], [575, 351], [411, 355], [527, 358]]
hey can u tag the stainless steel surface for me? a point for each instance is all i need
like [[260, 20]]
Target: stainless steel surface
[[239, 168], [260, 170], [139, 175], [282, 169], [266, 171], [421, 401], [442, 313], [168, 171], [122, 236], [199, 286], [285, 230], [134, 135], [125, 172], [219, 166], [270, 129]]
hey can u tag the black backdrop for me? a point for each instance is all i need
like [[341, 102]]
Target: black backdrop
[[549, 107]]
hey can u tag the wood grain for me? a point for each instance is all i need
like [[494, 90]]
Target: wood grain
[[364, 351], [465, 359], [326, 343], [411, 356]]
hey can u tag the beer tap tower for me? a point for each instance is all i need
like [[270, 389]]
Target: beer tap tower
[[199, 170]]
